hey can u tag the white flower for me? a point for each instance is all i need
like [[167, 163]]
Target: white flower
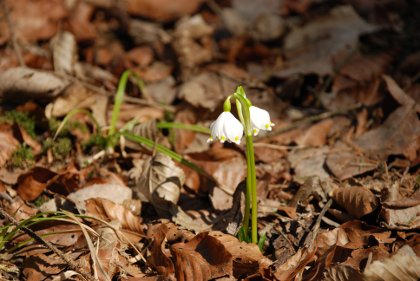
[[226, 128], [260, 120]]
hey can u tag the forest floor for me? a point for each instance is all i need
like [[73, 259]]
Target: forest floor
[[105, 168]]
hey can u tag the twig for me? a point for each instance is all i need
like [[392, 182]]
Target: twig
[[15, 44], [318, 223], [71, 263]]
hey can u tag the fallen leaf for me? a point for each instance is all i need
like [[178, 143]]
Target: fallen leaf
[[227, 167], [110, 211], [206, 90], [247, 258], [33, 21], [294, 265], [113, 191], [316, 135], [64, 52], [403, 265], [160, 258], [160, 183], [341, 273], [397, 93], [78, 96], [309, 162], [25, 83], [357, 200], [188, 32], [255, 18], [32, 184], [202, 258], [309, 48], [8, 144], [162, 10]]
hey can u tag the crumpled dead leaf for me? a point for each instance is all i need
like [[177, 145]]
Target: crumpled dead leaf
[[403, 265], [162, 10], [32, 184], [309, 48], [113, 191], [78, 96], [206, 90], [26, 83], [309, 162], [8, 144], [110, 211], [187, 33], [357, 200], [227, 167], [160, 183], [205, 256], [255, 18], [32, 21], [64, 52]]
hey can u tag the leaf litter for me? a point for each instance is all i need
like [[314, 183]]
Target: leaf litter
[[338, 178]]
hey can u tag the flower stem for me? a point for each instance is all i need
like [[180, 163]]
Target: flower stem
[[252, 186], [251, 182]]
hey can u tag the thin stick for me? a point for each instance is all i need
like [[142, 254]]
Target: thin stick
[[318, 223], [71, 263], [15, 44]]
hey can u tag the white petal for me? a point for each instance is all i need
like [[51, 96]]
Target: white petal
[[260, 119], [233, 129]]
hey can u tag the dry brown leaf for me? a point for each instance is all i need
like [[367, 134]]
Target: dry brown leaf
[[309, 162], [341, 273], [316, 135], [113, 191], [255, 18], [327, 239], [64, 52], [357, 200], [160, 183], [110, 211], [344, 162], [184, 138], [406, 218], [8, 144], [228, 168], [162, 10], [309, 48], [160, 257], [33, 20], [403, 265], [398, 94], [80, 21], [32, 184], [358, 71], [78, 96], [202, 258], [25, 83], [206, 90], [247, 258], [294, 265]]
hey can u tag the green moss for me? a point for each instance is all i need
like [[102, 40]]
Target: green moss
[[62, 147], [54, 124], [20, 118], [95, 141], [22, 157]]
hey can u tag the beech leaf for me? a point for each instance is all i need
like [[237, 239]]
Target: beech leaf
[[358, 201]]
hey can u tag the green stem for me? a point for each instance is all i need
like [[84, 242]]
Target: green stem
[[251, 191], [175, 125]]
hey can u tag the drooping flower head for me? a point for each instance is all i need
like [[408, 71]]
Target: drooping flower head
[[260, 119], [226, 128]]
